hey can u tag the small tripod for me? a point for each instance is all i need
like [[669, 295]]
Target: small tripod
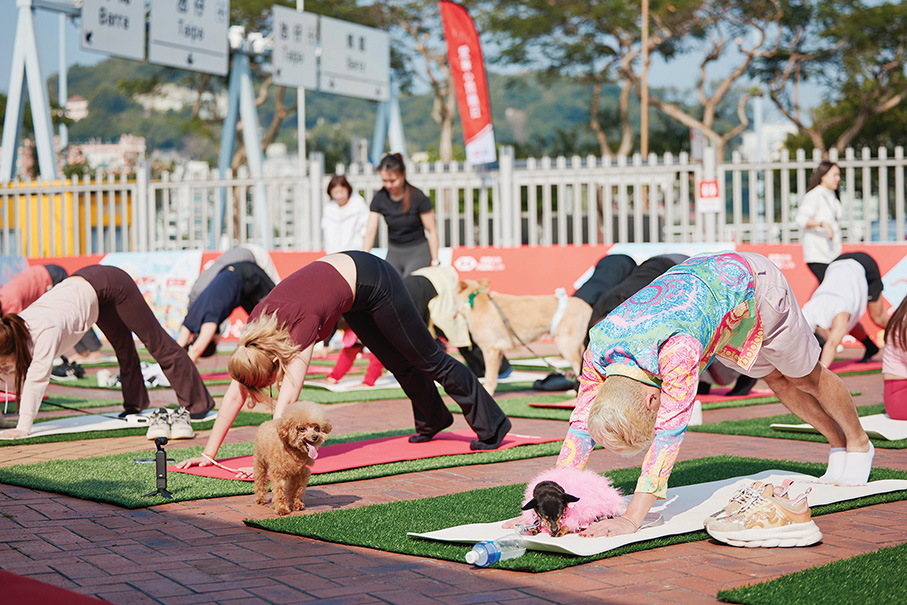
[[160, 463]]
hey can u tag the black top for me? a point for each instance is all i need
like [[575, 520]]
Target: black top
[[402, 229], [609, 271], [639, 278], [242, 284], [873, 275]]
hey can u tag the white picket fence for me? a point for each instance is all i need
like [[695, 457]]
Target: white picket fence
[[536, 202]]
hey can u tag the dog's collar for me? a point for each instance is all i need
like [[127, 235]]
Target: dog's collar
[[472, 299]]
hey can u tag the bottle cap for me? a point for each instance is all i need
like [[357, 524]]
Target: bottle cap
[[472, 557]]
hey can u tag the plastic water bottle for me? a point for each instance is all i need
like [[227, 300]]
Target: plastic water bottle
[[490, 552]]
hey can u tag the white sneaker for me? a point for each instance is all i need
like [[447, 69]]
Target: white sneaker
[[180, 427], [159, 424]]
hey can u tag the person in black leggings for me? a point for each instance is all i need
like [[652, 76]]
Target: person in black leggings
[[276, 347]]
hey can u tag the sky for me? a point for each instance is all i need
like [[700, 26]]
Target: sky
[[680, 73]]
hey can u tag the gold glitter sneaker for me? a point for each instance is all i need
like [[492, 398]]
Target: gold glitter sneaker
[[768, 521]]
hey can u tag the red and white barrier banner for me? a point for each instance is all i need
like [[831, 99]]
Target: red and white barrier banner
[[467, 69]]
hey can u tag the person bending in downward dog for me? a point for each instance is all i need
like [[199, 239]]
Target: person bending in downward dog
[[105, 295], [276, 347], [640, 372], [241, 284]]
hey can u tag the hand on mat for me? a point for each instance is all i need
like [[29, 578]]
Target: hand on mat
[[617, 526], [197, 461], [13, 434], [511, 523]]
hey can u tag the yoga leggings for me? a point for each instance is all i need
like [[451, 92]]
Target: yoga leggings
[[122, 311], [387, 322], [408, 258], [895, 395]]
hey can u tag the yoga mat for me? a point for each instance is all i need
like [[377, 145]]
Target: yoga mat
[[348, 385], [384, 526], [761, 427], [117, 479], [844, 367], [98, 422], [18, 589], [558, 362], [684, 510], [356, 454], [877, 426]]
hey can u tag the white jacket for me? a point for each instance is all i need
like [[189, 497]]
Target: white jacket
[[343, 227], [820, 204]]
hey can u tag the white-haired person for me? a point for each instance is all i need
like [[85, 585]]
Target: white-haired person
[[641, 368], [276, 348]]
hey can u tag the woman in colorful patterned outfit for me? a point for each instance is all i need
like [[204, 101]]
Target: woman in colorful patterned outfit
[[736, 307]]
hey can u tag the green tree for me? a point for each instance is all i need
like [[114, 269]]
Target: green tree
[[856, 50]]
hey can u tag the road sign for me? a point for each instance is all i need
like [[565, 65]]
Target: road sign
[[295, 44], [355, 60], [114, 27], [190, 34], [709, 196]]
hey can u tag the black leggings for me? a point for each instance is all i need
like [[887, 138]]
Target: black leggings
[[385, 319]]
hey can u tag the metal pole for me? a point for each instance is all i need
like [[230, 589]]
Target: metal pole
[[300, 115], [644, 89], [64, 93]]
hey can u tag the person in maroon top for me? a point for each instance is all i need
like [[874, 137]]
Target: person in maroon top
[[276, 348]]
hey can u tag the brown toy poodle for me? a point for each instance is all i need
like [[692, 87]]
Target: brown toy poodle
[[285, 448]]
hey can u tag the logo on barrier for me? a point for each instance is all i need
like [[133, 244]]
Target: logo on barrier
[[466, 264]]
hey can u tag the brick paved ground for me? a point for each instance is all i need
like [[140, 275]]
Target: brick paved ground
[[200, 552]]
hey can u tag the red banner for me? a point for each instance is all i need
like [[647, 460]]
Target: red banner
[[467, 68]]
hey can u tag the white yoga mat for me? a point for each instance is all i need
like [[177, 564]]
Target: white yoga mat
[[355, 384], [684, 511], [84, 423], [558, 362], [877, 426], [389, 382]]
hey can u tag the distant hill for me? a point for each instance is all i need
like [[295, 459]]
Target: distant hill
[[536, 118]]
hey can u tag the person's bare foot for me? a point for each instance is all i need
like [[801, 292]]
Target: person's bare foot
[[93, 357]]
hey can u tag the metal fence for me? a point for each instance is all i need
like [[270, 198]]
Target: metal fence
[[536, 202]]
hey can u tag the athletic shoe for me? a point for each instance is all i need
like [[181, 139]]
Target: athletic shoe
[[768, 521], [743, 495], [159, 424], [67, 371], [180, 427]]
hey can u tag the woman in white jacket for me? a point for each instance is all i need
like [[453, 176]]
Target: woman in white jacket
[[345, 217], [819, 219]]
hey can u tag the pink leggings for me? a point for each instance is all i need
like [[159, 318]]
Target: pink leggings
[[896, 399]]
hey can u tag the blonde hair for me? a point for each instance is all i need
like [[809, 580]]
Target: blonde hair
[[619, 419], [264, 343]]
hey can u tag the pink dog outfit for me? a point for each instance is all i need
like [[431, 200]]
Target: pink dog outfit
[[598, 499]]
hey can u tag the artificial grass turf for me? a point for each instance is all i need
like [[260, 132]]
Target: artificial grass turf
[[243, 419], [73, 401], [875, 577], [384, 526], [739, 403], [116, 479], [518, 407], [761, 427]]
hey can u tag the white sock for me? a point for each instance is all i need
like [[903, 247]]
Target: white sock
[[836, 460], [857, 467]]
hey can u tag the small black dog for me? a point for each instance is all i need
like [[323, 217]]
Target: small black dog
[[549, 501]]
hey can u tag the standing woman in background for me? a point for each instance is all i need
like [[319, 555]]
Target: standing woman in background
[[819, 219], [345, 217], [411, 229]]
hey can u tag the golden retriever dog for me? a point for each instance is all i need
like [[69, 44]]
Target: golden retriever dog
[[529, 316], [284, 450]]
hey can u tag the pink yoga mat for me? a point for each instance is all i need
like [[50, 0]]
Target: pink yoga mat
[[721, 394], [5, 397], [357, 454], [842, 367], [312, 371]]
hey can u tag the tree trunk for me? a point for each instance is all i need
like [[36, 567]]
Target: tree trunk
[[595, 123]]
